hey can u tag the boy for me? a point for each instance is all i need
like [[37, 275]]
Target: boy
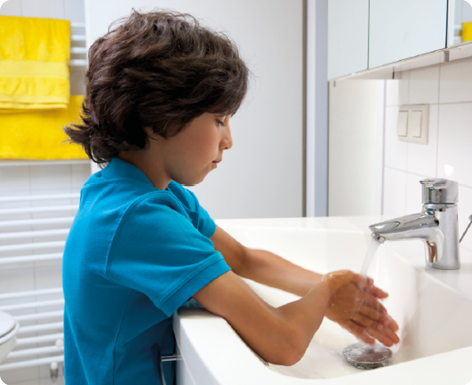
[[161, 90]]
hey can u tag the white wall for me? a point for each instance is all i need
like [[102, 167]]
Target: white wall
[[262, 175], [38, 180], [447, 88], [355, 147]]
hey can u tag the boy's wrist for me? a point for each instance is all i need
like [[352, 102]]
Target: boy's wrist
[[327, 286], [323, 288]]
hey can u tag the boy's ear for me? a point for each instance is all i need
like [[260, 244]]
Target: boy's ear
[[150, 133]]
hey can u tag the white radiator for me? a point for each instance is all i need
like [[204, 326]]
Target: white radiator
[[27, 243]]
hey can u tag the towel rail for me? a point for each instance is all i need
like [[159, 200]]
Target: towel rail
[[32, 246], [32, 293], [36, 210], [32, 305], [36, 234], [35, 340], [40, 328], [30, 258], [78, 63], [35, 351], [78, 50], [35, 222], [38, 316], [78, 37], [26, 364], [27, 198]]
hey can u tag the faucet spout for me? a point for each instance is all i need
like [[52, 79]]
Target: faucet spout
[[436, 228], [422, 225]]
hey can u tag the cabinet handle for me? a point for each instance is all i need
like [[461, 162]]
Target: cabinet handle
[[174, 357]]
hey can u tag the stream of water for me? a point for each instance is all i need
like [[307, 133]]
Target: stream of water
[[369, 355], [369, 256]]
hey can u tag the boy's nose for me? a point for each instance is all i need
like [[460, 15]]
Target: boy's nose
[[227, 141]]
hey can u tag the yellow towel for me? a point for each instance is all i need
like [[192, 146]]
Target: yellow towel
[[39, 134], [34, 63], [466, 31]]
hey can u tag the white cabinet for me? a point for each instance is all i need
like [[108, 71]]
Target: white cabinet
[[348, 36], [365, 34], [401, 29]]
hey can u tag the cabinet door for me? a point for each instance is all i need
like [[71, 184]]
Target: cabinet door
[[400, 29], [459, 23], [348, 36]]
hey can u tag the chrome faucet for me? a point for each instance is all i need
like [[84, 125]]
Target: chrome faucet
[[437, 225]]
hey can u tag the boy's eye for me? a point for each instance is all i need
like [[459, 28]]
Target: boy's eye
[[219, 122]]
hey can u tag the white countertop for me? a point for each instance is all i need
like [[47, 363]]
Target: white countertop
[[214, 354]]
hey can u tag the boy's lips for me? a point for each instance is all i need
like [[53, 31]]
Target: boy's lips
[[217, 161]]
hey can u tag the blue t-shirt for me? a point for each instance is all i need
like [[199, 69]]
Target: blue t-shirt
[[133, 256]]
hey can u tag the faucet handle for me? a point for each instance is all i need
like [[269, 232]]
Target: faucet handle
[[442, 191]]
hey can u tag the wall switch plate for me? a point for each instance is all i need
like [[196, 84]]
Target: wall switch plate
[[413, 123]]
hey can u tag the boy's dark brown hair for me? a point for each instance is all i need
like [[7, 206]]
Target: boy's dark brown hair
[[158, 70]]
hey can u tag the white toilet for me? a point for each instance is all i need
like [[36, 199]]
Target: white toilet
[[8, 329]]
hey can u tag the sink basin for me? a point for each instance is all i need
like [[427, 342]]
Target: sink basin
[[433, 309], [423, 306]]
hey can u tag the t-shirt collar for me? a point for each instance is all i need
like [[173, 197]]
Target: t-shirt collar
[[118, 168]]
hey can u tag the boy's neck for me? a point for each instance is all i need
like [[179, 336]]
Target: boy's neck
[[150, 168]]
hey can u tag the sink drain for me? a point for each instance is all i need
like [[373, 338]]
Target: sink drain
[[363, 356]]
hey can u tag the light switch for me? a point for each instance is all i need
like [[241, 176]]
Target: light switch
[[414, 124], [402, 125]]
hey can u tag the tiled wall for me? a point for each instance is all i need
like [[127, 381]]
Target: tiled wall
[[72, 10], [37, 180], [447, 88]]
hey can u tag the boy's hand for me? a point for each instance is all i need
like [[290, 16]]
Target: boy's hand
[[355, 306]]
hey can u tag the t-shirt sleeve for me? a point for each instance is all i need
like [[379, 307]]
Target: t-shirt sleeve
[[200, 217], [158, 251]]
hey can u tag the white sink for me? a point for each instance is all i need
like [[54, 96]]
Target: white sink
[[434, 317], [424, 307]]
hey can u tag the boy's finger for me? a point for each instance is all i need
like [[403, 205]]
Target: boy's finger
[[359, 331], [364, 321], [361, 281], [392, 324], [372, 302], [382, 338], [387, 331], [377, 292], [374, 314]]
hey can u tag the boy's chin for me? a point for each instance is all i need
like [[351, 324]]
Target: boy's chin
[[191, 183]]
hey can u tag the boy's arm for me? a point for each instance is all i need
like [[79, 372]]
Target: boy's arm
[[281, 335], [368, 319], [263, 266], [278, 335]]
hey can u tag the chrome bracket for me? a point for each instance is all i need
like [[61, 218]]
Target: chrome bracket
[[467, 229]]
